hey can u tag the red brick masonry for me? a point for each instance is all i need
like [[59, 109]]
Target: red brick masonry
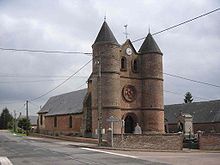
[[209, 141]]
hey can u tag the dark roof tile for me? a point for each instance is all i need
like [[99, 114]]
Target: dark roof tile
[[105, 35], [202, 112], [149, 46]]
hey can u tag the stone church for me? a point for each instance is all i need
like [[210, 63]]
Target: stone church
[[131, 84], [124, 83]]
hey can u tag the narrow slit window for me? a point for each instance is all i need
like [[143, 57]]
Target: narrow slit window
[[55, 121], [135, 66], [123, 63], [41, 119], [70, 122]]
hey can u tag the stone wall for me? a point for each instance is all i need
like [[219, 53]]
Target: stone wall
[[209, 141], [212, 127], [149, 141]]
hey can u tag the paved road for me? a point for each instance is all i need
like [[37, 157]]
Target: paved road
[[20, 151]]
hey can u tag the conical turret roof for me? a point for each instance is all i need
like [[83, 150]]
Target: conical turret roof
[[149, 46], [105, 35]]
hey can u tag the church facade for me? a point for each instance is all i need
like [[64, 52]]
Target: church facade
[[125, 84], [128, 84]]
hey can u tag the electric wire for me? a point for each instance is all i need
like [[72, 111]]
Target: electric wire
[[182, 23], [31, 102], [10, 102], [176, 93], [33, 81], [188, 79], [73, 52], [45, 51], [62, 82], [35, 76], [81, 85], [88, 53]]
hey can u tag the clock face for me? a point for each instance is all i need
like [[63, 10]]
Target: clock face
[[129, 93], [129, 51]]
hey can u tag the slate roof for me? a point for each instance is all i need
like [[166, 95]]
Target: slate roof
[[202, 112], [105, 35], [149, 46], [68, 103]]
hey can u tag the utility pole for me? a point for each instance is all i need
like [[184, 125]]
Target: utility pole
[[27, 117], [99, 92]]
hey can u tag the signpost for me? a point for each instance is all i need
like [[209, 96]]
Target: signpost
[[112, 119]]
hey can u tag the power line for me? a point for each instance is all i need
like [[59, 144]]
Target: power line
[[176, 93], [33, 81], [34, 76], [73, 52], [81, 85], [21, 107], [10, 102], [45, 51], [62, 82], [195, 81], [88, 53], [31, 102], [182, 23]]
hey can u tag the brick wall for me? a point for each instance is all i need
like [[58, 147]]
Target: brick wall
[[62, 125], [149, 141], [207, 127], [209, 141]]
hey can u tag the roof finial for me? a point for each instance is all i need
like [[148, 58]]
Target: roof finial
[[149, 29], [126, 32], [105, 17]]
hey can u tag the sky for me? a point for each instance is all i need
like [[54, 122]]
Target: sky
[[191, 50]]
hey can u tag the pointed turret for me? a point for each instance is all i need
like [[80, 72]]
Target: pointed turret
[[105, 35], [106, 57], [149, 46]]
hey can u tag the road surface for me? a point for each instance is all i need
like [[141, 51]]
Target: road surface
[[19, 150]]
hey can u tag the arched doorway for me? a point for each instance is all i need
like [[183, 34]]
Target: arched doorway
[[130, 123]]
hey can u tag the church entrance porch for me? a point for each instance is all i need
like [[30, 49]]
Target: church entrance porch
[[130, 122]]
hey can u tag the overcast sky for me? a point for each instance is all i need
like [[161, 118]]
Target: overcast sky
[[191, 50]]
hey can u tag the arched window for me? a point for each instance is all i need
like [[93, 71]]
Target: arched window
[[135, 65], [70, 122], [123, 64]]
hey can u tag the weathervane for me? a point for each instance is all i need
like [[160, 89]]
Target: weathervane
[[126, 32], [105, 17]]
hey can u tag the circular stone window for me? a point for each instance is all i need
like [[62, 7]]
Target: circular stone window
[[129, 93]]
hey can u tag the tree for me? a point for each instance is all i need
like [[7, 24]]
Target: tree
[[24, 123], [5, 119], [188, 97]]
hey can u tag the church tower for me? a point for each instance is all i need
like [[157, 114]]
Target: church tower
[[106, 78], [126, 84], [152, 86]]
